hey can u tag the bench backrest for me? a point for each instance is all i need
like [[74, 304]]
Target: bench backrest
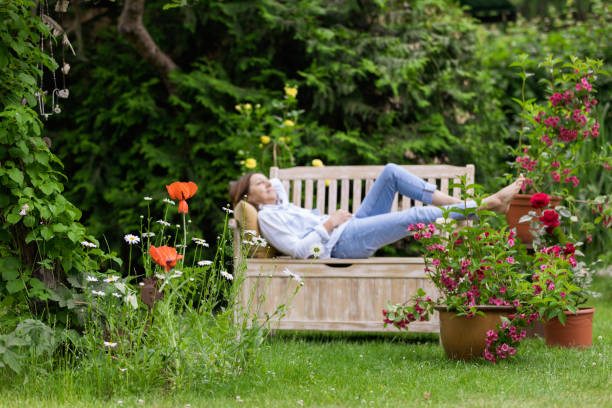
[[306, 186]]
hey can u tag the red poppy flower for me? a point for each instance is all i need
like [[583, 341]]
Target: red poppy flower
[[539, 200], [165, 256], [180, 190]]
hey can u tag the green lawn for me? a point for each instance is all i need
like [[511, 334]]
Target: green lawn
[[297, 369]]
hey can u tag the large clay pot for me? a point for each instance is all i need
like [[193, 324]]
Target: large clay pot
[[520, 206], [577, 332], [463, 338]]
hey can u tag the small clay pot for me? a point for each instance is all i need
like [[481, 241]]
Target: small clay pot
[[577, 332], [466, 338], [519, 206]]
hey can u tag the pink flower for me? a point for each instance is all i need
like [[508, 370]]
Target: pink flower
[[537, 289], [436, 262], [502, 290], [562, 295], [511, 242], [555, 176]]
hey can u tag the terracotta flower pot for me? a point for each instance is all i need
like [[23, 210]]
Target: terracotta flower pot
[[520, 206], [463, 338], [577, 332]]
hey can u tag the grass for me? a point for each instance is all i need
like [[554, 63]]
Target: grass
[[331, 369]]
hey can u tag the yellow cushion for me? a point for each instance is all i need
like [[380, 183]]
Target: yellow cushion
[[246, 216]]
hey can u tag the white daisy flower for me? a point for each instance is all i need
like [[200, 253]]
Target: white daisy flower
[[148, 234], [251, 232], [160, 276], [204, 263], [111, 278], [148, 198], [91, 278], [117, 295], [110, 344], [201, 242], [167, 200], [131, 299], [227, 275], [180, 246], [98, 292], [176, 274], [164, 223], [191, 279], [122, 369], [141, 283], [316, 250], [131, 239], [88, 244], [227, 210]]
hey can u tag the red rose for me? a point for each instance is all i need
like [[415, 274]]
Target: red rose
[[551, 219], [539, 200], [569, 249]]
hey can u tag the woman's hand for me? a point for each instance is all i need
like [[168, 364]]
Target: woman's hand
[[337, 218]]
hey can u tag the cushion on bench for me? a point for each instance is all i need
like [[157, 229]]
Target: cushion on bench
[[246, 215]]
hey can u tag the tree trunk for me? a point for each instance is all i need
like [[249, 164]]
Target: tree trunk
[[131, 27]]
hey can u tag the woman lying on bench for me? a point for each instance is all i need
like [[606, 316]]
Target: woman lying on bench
[[296, 231]]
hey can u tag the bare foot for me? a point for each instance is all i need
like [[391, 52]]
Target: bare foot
[[500, 201]]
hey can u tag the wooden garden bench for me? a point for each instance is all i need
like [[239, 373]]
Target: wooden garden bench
[[341, 294]]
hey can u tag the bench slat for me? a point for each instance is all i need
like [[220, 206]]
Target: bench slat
[[344, 194], [297, 192], [321, 196], [308, 196], [332, 200], [356, 195], [369, 172]]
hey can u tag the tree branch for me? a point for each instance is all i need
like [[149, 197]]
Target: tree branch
[[131, 27]]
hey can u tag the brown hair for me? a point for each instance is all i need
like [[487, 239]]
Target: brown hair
[[239, 188]]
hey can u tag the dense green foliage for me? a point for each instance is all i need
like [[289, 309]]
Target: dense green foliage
[[377, 83], [40, 236]]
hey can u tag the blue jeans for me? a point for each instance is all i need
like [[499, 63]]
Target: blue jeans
[[373, 226]]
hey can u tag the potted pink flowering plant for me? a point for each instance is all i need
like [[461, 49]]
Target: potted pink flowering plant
[[478, 278], [553, 134]]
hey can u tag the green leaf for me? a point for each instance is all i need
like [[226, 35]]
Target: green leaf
[[47, 188], [16, 175], [13, 218], [9, 267], [29, 221], [14, 286], [46, 233]]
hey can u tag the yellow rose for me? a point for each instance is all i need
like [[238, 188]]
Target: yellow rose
[[250, 163], [327, 182], [291, 91], [265, 139], [317, 163], [238, 108], [283, 139], [247, 106], [288, 123]]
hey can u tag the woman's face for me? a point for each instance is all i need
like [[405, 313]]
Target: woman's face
[[261, 190]]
